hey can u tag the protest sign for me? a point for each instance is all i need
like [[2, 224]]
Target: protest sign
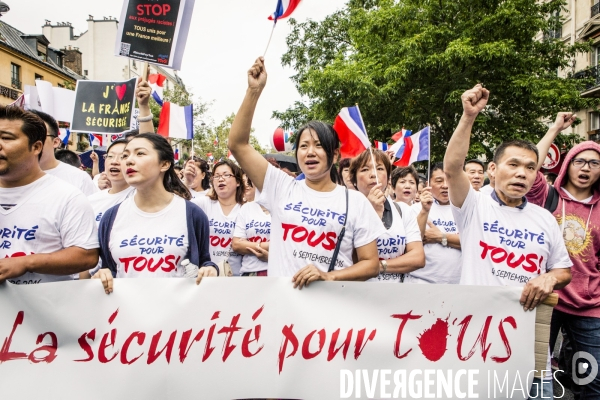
[[103, 107], [260, 338], [155, 31], [58, 102]]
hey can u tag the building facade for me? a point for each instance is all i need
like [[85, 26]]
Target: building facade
[[26, 58], [581, 23]]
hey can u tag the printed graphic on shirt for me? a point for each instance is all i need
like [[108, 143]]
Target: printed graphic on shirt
[[253, 225], [445, 226], [149, 245], [577, 239]]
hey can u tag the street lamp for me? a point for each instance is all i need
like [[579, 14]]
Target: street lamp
[[4, 8]]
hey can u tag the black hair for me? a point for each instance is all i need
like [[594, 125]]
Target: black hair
[[178, 167], [131, 134], [435, 167], [344, 163], [523, 144], [329, 142], [171, 181], [551, 176], [68, 157], [118, 141], [33, 126], [474, 161], [402, 172], [49, 120], [365, 158], [204, 167], [237, 173]]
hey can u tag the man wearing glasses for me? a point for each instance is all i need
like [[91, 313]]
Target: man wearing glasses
[[50, 165], [576, 193]]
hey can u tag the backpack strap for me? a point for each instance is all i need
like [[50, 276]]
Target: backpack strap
[[552, 199], [398, 208]]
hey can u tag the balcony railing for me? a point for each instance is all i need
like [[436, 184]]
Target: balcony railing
[[595, 10], [590, 73], [15, 83]]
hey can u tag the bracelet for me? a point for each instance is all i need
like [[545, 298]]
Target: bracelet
[[383, 263], [147, 118]]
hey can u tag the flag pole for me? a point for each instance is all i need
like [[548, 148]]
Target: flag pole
[[192, 149], [429, 156], [370, 147], [270, 37]]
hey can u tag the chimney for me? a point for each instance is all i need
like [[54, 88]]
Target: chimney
[[72, 59]]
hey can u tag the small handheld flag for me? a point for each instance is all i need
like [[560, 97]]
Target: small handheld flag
[[176, 155], [156, 82], [351, 132], [284, 9], [381, 146], [176, 121], [95, 140], [415, 148], [64, 136], [401, 135]]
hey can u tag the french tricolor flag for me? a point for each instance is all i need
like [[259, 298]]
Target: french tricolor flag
[[176, 121], [284, 9], [156, 82], [96, 140], [351, 132], [401, 135], [415, 148], [176, 155], [381, 146]]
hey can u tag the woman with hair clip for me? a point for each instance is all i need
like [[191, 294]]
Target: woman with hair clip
[[400, 247], [316, 224], [222, 206], [196, 176], [151, 233]]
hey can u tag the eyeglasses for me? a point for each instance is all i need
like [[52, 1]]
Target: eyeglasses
[[111, 157], [224, 176], [580, 163]]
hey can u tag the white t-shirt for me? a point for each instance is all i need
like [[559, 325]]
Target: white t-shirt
[[507, 246], [306, 224], [487, 190], [442, 264], [45, 216], [103, 200], [197, 194], [76, 177], [221, 232], [392, 243], [253, 225], [149, 245]]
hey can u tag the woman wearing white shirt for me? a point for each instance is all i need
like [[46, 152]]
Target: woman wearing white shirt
[[400, 247], [308, 216], [222, 206], [107, 198], [150, 233]]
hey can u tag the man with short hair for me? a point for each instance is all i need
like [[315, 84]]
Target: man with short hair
[[576, 195], [474, 170], [489, 188], [48, 225], [506, 241], [74, 176], [439, 232]]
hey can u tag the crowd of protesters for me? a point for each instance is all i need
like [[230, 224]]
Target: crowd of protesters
[[344, 219]]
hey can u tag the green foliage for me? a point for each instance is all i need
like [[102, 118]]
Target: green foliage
[[406, 63]]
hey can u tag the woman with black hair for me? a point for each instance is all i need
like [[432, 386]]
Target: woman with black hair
[[400, 247], [222, 206], [150, 233], [316, 224], [196, 176], [343, 171]]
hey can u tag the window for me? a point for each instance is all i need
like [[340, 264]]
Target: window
[[15, 79], [133, 64], [595, 56], [39, 77], [594, 121], [85, 72]]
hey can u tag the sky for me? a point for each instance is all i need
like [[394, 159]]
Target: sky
[[225, 38]]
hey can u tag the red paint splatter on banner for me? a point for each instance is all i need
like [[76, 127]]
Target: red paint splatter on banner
[[432, 341]]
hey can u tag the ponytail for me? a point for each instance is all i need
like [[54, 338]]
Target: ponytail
[[173, 184]]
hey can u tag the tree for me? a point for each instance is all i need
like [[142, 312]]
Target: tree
[[407, 62], [214, 140]]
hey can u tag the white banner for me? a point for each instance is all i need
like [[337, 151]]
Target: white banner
[[260, 338]]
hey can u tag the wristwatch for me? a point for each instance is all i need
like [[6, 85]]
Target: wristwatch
[[444, 240], [383, 264]]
